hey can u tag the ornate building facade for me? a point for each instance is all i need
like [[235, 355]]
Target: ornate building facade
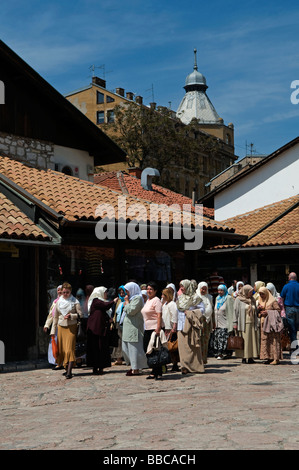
[[98, 103]]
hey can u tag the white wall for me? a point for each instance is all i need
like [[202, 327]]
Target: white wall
[[74, 158], [276, 180]]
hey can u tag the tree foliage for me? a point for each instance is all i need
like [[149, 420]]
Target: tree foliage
[[154, 138]]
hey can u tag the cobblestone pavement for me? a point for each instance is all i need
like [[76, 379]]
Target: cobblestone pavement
[[231, 406]]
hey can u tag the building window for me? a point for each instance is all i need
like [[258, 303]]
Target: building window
[[110, 116], [100, 97], [109, 99], [100, 117]]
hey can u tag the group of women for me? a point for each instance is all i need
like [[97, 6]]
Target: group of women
[[191, 317]]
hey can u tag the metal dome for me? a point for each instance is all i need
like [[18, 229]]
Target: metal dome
[[195, 78]]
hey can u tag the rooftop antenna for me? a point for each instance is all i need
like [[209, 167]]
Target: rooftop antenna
[[152, 90], [252, 150], [93, 67]]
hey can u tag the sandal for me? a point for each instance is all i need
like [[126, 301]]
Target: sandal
[[130, 373]]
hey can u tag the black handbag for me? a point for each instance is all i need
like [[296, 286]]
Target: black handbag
[[159, 356], [113, 336]]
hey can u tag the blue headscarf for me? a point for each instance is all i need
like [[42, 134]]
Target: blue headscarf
[[121, 305], [123, 288], [220, 299]]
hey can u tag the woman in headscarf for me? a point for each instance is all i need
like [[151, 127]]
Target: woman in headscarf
[[239, 286], [271, 327], [190, 324], [47, 326], [246, 322], [170, 319], [98, 326], [132, 334], [285, 334], [67, 313], [223, 313], [172, 287], [257, 286], [207, 300], [117, 353]]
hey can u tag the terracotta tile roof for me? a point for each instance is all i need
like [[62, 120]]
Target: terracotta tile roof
[[76, 199], [14, 224], [263, 229], [120, 180]]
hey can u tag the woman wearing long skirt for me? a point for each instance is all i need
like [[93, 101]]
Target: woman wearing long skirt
[[246, 322], [190, 355], [207, 299], [47, 327], [132, 333], [270, 328], [98, 326], [67, 313]]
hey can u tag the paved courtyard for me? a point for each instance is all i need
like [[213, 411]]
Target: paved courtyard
[[231, 406]]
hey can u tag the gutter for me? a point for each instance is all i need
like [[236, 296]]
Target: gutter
[[257, 248], [31, 207]]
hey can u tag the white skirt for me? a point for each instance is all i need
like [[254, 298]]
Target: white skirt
[[134, 354]]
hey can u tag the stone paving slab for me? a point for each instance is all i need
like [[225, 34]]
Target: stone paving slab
[[232, 406]]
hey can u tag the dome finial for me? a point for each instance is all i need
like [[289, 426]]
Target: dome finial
[[195, 62]]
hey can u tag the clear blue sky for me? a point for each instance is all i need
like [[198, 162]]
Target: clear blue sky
[[248, 52]]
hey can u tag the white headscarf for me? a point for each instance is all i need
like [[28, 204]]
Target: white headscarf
[[174, 290], [272, 289], [206, 299], [97, 293], [65, 305], [239, 283], [144, 292], [133, 289]]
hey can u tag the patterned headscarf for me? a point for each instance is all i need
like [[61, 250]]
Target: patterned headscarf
[[189, 298]]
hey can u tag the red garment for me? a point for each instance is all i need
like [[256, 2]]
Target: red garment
[[213, 282], [98, 320]]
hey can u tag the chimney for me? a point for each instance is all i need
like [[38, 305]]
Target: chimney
[[147, 176], [99, 81], [120, 91], [135, 171], [129, 95], [153, 105], [138, 99]]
